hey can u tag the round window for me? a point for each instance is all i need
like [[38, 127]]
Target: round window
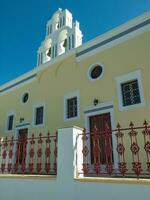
[[96, 72], [25, 97]]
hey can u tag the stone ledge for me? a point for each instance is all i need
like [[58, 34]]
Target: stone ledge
[[31, 177], [114, 180]]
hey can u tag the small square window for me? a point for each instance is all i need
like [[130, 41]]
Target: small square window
[[10, 122], [130, 90], [72, 107], [39, 115], [130, 93]]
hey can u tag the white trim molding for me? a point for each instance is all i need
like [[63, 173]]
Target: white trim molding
[[91, 68], [69, 96], [35, 106], [25, 126], [135, 75], [102, 108], [11, 113], [118, 35]]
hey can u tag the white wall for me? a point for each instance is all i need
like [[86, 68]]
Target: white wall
[[65, 187]]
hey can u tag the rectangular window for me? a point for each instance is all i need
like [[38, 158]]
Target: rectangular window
[[39, 115], [130, 93], [10, 122], [72, 110]]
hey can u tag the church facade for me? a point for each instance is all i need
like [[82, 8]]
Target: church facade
[[75, 84]]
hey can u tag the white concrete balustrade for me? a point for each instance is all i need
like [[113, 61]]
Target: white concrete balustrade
[[67, 186]]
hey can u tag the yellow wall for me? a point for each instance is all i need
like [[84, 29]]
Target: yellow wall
[[69, 75]]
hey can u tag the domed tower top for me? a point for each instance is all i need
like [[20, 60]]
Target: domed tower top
[[62, 35]]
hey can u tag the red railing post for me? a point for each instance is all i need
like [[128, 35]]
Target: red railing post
[[108, 149], [136, 164], [96, 150], [1, 144], [39, 154], [10, 154], [122, 165], [55, 153], [17, 154], [24, 154], [47, 153], [85, 152], [146, 134], [4, 155], [31, 154]]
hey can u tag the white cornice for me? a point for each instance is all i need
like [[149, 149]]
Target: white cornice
[[116, 31]]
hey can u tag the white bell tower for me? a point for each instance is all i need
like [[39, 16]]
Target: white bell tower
[[62, 35]]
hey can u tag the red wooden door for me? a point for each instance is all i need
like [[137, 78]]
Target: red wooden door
[[21, 146], [100, 122]]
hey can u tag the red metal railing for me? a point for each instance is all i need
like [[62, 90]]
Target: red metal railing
[[34, 155], [123, 152]]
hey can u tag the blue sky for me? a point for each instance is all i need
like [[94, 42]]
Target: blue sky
[[22, 26]]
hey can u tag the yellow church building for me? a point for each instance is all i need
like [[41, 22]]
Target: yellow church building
[[104, 81]]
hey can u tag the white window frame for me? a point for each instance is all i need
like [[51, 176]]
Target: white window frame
[[69, 96], [35, 106], [22, 95], [7, 122], [136, 75], [91, 67]]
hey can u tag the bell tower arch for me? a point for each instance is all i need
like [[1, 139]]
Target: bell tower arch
[[62, 35]]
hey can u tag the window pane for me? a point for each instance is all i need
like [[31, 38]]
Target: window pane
[[39, 115], [72, 107], [10, 122], [130, 93]]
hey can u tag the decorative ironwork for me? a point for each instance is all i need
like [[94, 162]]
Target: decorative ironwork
[[108, 149], [28, 155], [127, 147], [39, 154], [120, 149], [96, 150], [31, 154], [136, 164], [122, 165], [55, 152], [85, 152], [146, 134], [47, 154], [134, 148], [4, 155], [10, 155]]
